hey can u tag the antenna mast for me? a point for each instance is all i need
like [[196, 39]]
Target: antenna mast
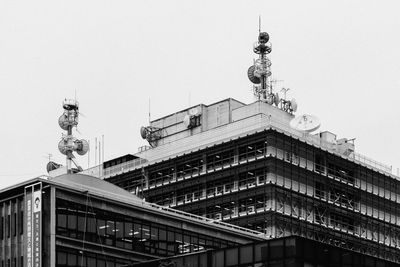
[[260, 72], [68, 143]]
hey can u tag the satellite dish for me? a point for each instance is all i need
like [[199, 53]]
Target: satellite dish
[[82, 147], [143, 132], [194, 111], [293, 105], [187, 121], [51, 166], [252, 77], [63, 122], [62, 147], [69, 144], [305, 123], [151, 134]]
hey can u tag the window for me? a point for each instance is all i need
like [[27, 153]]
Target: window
[[21, 223], [8, 225], [122, 231], [252, 150], [220, 159]]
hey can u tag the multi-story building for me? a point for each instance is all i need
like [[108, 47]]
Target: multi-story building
[[292, 251], [245, 165], [79, 220], [252, 166]]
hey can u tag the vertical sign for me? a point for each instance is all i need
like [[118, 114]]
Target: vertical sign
[[37, 210], [28, 227], [33, 207]]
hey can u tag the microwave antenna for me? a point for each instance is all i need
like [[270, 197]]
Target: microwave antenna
[[259, 73], [68, 144]]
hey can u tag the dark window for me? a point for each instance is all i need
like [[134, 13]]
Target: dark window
[[104, 227], [220, 159], [8, 228], [14, 225], [21, 223], [1, 227]]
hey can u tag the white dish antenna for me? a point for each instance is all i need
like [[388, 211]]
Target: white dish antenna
[[186, 121], [151, 134], [194, 111], [305, 123]]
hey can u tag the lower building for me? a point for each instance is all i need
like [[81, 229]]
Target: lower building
[[291, 251], [79, 220]]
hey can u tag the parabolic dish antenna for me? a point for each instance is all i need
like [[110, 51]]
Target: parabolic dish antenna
[[250, 74], [143, 132], [305, 123], [194, 111], [186, 121]]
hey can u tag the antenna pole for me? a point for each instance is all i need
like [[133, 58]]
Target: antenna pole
[[99, 153], [88, 156], [149, 111], [102, 141], [95, 151], [259, 24]]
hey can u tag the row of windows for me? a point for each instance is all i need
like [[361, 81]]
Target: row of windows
[[12, 262], [288, 252], [69, 257], [213, 161], [313, 186], [11, 225], [311, 158], [129, 233]]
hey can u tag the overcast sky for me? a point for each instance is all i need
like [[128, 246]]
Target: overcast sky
[[340, 59]]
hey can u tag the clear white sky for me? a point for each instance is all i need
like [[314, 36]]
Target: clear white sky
[[341, 60]]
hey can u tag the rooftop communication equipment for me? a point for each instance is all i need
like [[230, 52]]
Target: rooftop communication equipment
[[151, 134], [305, 123], [51, 166], [259, 74], [192, 119], [68, 144], [260, 71]]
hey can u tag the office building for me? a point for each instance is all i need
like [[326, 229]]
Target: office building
[[79, 220], [260, 167]]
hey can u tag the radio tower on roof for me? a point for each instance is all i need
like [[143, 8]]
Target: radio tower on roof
[[68, 143], [260, 72]]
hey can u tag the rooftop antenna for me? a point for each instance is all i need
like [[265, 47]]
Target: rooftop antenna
[[149, 111], [68, 144], [49, 156], [284, 90], [305, 123], [259, 73]]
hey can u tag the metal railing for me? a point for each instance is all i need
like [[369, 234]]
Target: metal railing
[[123, 167], [269, 121], [316, 140], [205, 219]]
